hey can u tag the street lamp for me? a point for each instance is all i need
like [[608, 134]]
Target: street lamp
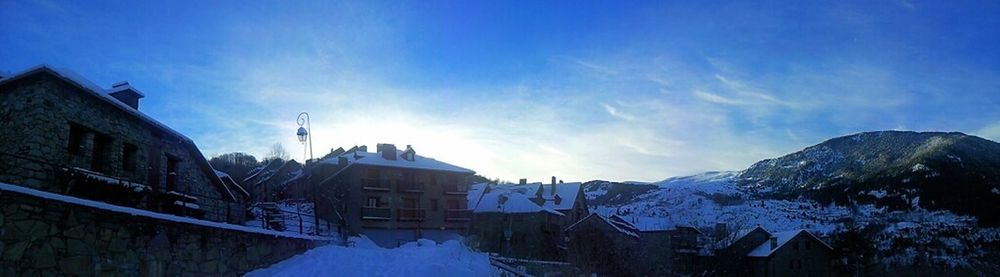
[[303, 134]]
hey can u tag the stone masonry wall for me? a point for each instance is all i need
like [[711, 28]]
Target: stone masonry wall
[[42, 237], [35, 118]]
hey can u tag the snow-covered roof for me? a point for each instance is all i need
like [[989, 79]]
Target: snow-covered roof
[[567, 192], [515, 203], [121, 86], [230, 181], [102, 94], [475, 194], [376, 159], [618, 224], [765, 249]]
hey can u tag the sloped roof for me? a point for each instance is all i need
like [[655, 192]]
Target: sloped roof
[[476, 192], [376, 159], [229, 180], [516, 203], [622, 227], [100, 93], [567, 192], [765, 249]]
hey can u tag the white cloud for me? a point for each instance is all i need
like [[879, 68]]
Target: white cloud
[[616, 113]]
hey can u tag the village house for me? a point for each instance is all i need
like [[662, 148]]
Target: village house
[[642, 247], [758, 252], [392, 195], [506, 221], [276, 180], [537, 222], [63, 134]]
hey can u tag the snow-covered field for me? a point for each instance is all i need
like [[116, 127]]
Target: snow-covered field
[[420, 258]]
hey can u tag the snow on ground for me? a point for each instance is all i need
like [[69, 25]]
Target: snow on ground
[[903, 238], [292, 213], [420, 258]]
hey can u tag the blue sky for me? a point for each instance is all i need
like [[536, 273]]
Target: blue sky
[[530, 89]]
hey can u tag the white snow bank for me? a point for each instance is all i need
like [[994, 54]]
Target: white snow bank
[[150, 214], [420, 258]]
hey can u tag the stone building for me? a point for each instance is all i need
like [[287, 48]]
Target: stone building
[[391, 195], [791, 253], [507, 222], [640, 248], [63, 134], [276, 180], [539, 213], [605, 246]]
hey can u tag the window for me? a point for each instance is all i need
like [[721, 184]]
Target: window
[[373, 173], [172, 172], [99, 155], [453, 204], [129, 157], [795, 245], [791, 264], [372, 202], [76, 136], [434, 204], [809, 245]]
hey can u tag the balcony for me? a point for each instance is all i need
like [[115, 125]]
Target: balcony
[[410, 187], [375, 184], [376, 213], [457, 215], [455, 189], [411, 214]]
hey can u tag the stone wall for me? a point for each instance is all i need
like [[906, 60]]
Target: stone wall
[[36, 115], [41, 236]]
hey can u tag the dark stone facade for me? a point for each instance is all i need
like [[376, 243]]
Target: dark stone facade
[[58, 130], [42, 237]]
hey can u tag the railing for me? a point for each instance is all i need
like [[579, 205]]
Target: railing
[[416, 214], [380, 213], [375, 184], [410, 187], [457, 215], [455, 189], [298, 220]]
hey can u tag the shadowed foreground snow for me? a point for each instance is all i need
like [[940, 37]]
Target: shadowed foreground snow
[[423, 258]]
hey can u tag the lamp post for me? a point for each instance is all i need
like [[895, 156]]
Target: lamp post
[[304, 134]]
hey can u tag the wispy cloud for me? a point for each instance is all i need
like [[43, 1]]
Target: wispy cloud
[[616, 113]]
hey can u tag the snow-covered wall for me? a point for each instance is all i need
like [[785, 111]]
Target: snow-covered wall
[[44, 232]]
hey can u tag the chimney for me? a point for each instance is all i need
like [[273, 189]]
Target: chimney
[[387, 150], [721, 230], [363, 148], [523, 181], [125, 93], [774, 242], [553, 186], [409, 154]]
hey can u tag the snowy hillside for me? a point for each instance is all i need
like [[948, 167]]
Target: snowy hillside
[[902, 238], [421, 258], [705, 199]]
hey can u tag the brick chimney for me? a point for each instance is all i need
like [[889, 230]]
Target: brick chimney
[[553, 186], [125, 93], [409, 154], [387, 150], [523, 181]]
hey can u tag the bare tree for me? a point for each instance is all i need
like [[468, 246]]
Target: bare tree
[[277, 152]]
